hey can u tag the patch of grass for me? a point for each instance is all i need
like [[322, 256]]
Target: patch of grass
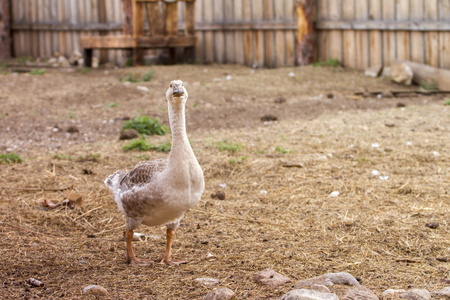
[[146, 125], [428, 85], [10, 158], [447, 101], [196, 104], [129, 77], [24, 59], [62, 156], [224, 145], [111, 104], [239, 160], [148, 76], [143, 157], [85, 70], [37, 72], [331, 62], [129, 62], [90, 157], [282, 150], [137, 144], [142, 145]]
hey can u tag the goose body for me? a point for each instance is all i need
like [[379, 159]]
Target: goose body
[[159, 192]]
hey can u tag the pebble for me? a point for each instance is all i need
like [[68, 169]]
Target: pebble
[[271, 278], [304, 294], [219, 195], [333, 194], [391, 293], [129, 134], [220, 294], [360, 293], [291, 74], [95, 289], [207, 281], [375, 173], [445, 292], [142, 88], [416, 294], [329, 279]]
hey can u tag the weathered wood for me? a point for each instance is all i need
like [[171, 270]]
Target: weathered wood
[[154, 19], [114, 42], [306, 39], [5, 29], [391, 25], [102, 19], [429, 75], [127, 17]]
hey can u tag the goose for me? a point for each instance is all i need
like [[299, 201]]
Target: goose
[[159, 192]]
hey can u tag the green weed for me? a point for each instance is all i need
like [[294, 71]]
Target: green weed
[[148, 76], [112, 104], [428, 85], [224, 145], [85, 70], [146, 125], [129, 77], [61, 156], [331, 62], [143, 145], [282, 150], [24, 59], [447, 101], [10, 158], [37, 72]]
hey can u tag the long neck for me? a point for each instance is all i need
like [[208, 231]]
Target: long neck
[[180, 142]]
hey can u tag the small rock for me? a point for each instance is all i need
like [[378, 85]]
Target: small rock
[[330, 95], [375, 145], [219, 195], [129, 134], [280, 100], [53, 60], [303, 294], [432, 225], [329, 279], [142, 88], [333, 194], [445, 292], [35, 282], [228, 77], [73, 129], [291, 74], [392, 294], [387, 94], [386, 72], [320, 288], [73, 198], [207, 281], [360, 293], [402, 73], [389, 124], [95, 290], [269, 118], [220, 294], [375, 173], [400, 104], [271, 278], [416, 294], [373, 71], [63, 62]]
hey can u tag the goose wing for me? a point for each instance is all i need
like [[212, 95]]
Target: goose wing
[[142, 173]]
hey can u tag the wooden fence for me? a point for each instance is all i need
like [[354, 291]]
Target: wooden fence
[[363, 33], [252, 32], [360, 33]]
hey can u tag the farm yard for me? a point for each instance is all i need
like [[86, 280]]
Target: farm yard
[[327, 182]]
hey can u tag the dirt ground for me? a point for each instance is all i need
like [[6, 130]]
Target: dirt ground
[[277, 212]]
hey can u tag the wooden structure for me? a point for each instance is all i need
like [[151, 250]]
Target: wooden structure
[[5, 30], [162, 20], [365, 33]]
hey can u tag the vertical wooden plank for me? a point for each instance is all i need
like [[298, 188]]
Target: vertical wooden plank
[[389, 44], [258, 35], [289, 36], [238, 34], [335, 14], [208, 15], [362, 36], [219, 37], [444, 36], [5, 29], [74, 35], [269, 36], [54, 9], [230, 56], [417, 41], [33, 36], [431, 37], [403, 40], [376, 57], [200, 47], [15, 34], [323, 35], [248, 44], [349, 36], [280, 39], [61, 19]]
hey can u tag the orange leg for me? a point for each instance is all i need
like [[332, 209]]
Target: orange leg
[[131, 259], [166, 258]]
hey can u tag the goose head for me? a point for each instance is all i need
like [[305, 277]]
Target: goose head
[[176, 93]]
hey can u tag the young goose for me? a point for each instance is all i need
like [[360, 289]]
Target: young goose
[[159, 192]]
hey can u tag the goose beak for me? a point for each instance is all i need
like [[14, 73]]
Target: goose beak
[[178, 91]]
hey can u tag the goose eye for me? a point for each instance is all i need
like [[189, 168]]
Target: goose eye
[[170, 85]]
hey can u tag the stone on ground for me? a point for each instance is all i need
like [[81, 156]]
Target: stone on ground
[[373, 71], [207, 281], [95, 290], [271, 278], [320, 288], [329, 279], [416, 294], [360, 293], [303, 294], [220, 294], [444, 293], [402, 73], [129, 134]]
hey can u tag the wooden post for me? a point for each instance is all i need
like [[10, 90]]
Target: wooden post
[[102, 19], [306, 45], [5, 29], [127, 17]]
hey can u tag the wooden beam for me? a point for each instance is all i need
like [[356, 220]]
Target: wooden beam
[[128, 42], [306, 50], [102, 19], [5, 29], [384, 25], [111, 42], [233, 26]]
